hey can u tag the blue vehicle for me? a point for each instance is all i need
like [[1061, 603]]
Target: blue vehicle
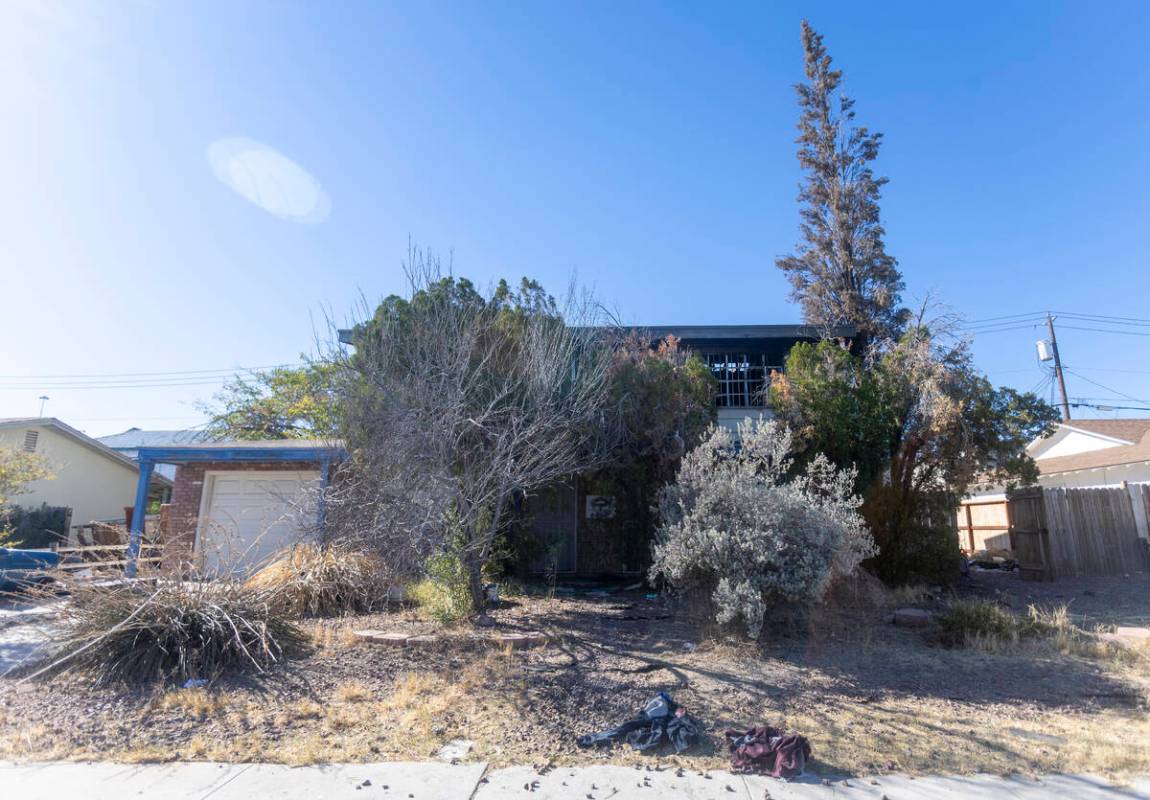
[[23, 568]]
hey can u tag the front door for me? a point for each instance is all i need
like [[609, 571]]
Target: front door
[[554, 517]]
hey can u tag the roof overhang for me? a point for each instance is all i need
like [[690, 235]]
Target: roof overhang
[[237, 451], [80, 438]]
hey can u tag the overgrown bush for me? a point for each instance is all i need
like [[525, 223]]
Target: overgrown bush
[[444, 594], [917, 542], [971, 622], [739, 526], [171, 631], [313, 579], [33, 527]]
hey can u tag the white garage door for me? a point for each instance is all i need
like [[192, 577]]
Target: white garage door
[[248, 516]]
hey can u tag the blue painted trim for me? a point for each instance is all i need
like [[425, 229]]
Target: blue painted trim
[[138, 512], [187, 455]]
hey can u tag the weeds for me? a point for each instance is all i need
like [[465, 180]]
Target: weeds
[[443, 594]]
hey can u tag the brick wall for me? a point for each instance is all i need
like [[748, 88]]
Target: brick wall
[[187, 494]]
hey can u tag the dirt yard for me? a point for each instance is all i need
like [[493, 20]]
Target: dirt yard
[[870, 696]]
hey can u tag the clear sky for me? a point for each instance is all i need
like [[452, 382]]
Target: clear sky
[[647, 148]]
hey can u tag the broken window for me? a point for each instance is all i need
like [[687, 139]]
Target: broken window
[[743, 378]]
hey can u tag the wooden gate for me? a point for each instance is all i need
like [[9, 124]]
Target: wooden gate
[[1076, 532]]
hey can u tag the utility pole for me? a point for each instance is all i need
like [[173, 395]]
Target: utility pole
[[1058, 368]]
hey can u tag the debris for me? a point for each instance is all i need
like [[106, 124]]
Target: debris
[[195, 683], [661, 722], [764, 750], [690, 647], [633, 587], [455, 749]]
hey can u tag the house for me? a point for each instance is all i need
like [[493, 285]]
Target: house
[[234, 504], [90, 478], [130, 441], [578, 521], [1081, 453]]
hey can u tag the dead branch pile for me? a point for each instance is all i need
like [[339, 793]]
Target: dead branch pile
[[171, 630]]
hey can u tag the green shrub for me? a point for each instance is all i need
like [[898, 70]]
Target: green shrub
[[443, 595], [33, 527], [970, 622]]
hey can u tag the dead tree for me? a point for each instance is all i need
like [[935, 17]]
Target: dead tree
[[455, 401]]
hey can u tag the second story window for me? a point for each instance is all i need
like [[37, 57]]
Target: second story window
[[742, 378]]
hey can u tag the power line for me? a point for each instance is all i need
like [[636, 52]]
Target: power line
[[160, 374], [1107, 388], [1105, 330]]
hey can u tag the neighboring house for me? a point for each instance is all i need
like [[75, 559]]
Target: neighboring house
[[130, 441], [1081, 453], [234, 504], [92, 479]]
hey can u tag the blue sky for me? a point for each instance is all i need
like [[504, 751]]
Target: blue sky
[[646, 148]]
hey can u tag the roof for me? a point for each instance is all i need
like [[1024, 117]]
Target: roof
[[1129, 430], [1135, 431], [257, 450], [77, 436], [136, 437], [703, 332]]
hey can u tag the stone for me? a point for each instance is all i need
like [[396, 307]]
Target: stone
[[520, 641], [911, 617], [422, 639], [391, 638], [455, 749]]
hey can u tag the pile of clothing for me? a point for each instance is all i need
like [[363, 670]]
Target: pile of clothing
[[661, 723], [764, 750]]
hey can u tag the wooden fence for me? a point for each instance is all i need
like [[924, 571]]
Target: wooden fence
[[983, 525], [1060, 531]]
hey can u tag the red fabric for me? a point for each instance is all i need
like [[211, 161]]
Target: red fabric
[[763, 750]]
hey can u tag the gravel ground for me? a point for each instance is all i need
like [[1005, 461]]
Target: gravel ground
[[870, 696]]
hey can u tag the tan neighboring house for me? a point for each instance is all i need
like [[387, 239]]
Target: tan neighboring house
[[95, 481], [1081, 453]]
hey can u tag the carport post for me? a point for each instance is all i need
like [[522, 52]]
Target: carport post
[[138, 512]]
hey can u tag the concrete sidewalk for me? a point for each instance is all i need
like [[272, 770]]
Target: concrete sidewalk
[[439, 781]]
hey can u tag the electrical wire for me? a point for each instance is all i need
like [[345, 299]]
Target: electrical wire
[[1107, 388]]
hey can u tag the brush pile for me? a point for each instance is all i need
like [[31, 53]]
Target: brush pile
[[319, 580], [171, 630]]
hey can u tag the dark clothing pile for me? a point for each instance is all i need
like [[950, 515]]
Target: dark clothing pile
[[661, 722], [768, 751]]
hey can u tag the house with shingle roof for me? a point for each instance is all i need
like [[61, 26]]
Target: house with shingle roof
[[1094, 452]]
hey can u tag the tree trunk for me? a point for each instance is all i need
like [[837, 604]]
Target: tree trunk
[[475, 582]]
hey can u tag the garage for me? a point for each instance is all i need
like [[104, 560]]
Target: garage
[[235, 504], [249, 516]]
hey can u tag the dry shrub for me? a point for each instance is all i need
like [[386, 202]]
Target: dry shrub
[[197, 703], [139, 632], [983, 625], [312, 580]]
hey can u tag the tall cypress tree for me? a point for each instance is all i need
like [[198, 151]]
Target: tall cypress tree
[[840, 272]]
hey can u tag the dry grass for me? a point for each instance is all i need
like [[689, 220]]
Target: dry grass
[[353, 693], [870, 696], [313, 580], [199, 704]]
